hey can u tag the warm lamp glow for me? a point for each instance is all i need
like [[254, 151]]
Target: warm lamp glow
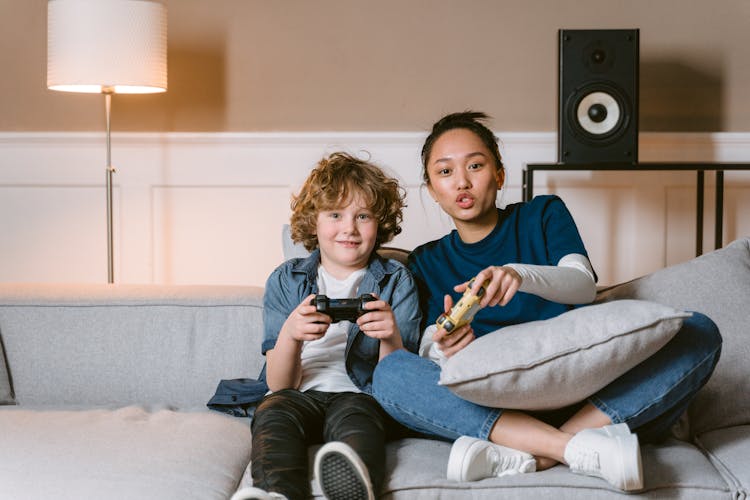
[[100, 89], [107, 46]]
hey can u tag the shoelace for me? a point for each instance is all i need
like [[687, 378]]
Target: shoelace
[[502, 463], [586, 461]]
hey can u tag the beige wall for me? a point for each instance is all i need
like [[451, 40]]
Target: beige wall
[[298, 65]]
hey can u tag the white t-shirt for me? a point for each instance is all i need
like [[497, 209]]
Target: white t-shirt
[[323, 367]]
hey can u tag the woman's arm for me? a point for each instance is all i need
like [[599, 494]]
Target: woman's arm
[[571, 281]]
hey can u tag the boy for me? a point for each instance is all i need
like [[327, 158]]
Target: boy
[[320, 372]]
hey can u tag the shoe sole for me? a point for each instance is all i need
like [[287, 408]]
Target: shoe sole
[[629, 445], [631, 469], [339, 477], [457, 460]]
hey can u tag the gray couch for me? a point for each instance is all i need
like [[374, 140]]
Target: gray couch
[[110, 385]]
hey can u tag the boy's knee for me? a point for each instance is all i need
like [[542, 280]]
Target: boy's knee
[[278, 402]]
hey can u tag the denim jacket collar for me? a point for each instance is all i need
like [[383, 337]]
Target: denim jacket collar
[[377, 269]]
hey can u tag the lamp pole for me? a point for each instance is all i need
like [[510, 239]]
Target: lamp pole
[[108, 91]]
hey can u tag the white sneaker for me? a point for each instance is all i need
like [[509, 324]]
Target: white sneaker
[[341, 474], [610, 452], [472, 459], [253, 493]]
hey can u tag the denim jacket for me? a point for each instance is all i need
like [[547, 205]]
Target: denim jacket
[[297, 278]]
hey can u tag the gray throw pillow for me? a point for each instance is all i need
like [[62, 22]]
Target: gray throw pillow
[[289, 247], [716, 284], [553, 363], [6, 390]]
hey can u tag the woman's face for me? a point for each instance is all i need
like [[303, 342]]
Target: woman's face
[[464, 179]]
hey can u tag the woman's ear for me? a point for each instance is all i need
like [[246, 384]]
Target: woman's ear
[[500, 177]]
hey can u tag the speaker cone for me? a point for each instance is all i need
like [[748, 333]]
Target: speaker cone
[[598, 112]]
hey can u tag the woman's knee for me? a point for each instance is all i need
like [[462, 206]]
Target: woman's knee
[[698, 342], [700, 332]]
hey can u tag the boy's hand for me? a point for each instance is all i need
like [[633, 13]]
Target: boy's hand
[[305, 323], [504, 283], [380, 323], [450, 344]]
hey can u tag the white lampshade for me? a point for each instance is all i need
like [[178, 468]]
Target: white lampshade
[[115, 46]]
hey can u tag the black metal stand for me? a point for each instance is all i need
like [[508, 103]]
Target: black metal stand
[[697, 167]]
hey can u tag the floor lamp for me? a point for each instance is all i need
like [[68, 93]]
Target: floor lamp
[[108, 47]]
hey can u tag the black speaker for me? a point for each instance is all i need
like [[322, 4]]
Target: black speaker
[[598, 96]]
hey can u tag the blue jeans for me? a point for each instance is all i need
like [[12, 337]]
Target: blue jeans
[[650, 397]]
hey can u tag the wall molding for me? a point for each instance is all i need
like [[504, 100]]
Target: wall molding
[[208, 207], [646, 139]]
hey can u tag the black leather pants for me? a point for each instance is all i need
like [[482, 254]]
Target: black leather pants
[[288, 421]]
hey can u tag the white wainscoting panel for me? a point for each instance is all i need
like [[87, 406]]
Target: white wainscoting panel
[[207, 208], [205, 234]]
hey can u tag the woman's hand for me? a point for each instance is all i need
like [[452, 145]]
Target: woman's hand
[[450, 343], [379, 322], [503, 285]]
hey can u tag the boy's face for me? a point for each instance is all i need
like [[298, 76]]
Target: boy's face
[[346, 237]]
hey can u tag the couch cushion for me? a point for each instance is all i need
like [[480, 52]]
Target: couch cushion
[[416, 469], [6, 389], [718, 285], [729, 450], [556, 362], [118, 345], [126, 454]]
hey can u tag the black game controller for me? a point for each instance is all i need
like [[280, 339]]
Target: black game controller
[[342, 309]]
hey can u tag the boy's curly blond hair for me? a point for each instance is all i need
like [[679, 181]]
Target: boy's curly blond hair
[[333, 183]]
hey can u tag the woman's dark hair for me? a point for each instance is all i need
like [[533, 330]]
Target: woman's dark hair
[[469, 120]]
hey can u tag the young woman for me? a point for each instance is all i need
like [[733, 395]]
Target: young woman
[[534, 248]]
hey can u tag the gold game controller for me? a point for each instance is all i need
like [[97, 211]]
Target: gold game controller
[[464, 310]]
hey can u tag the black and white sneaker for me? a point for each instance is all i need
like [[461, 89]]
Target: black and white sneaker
[[341, 474]]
